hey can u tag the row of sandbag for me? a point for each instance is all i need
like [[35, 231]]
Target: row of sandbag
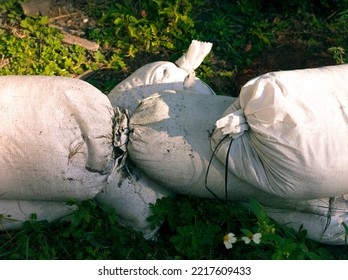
[[58, 140], [283, 141], [90, 148]]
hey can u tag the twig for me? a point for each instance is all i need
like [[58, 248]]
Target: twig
[[72, 39], [3, 62], [63, 16], [75, 40]]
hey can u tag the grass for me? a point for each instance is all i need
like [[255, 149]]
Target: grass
[[132, 33]]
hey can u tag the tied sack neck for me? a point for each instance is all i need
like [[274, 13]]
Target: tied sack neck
[[120, 140], [234, 124], [195, 55]]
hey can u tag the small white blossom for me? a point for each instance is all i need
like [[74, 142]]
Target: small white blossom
[[254, 237], [229, 239]]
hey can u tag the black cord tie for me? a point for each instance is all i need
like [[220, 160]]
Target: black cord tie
[[226, 170]]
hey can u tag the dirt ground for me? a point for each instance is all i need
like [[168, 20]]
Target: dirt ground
[[287, 56], [284, 54]]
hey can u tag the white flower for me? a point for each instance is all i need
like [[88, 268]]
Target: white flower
[[229, 239], [254, 237]]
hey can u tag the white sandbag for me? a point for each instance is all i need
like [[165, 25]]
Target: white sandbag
[[169, 140], [13, 213], [162, 75], [131, 195], [60, 138], [55, 138], [289, 133], [322, 218]]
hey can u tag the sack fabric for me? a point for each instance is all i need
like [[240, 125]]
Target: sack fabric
[[15, 212], [162, 75], [323, 219], [55, 138], [169, 141], [289, 133], [131, 195]]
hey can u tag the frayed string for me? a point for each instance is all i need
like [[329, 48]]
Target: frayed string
[[122, 163]]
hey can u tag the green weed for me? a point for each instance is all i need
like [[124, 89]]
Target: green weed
[[339, 55], [198, 229]]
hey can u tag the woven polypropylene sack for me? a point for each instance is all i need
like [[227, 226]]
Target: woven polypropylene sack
[[162, 75], [55, 138], [15, 212], [290, 133], [323, 219], [131, 196], [169, 141]]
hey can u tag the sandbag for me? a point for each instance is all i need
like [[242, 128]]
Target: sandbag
[[131, 196], [322, 218], [13, 213], [60, 138], [169, 140], [162, 75], [55, 138], [288, 133]]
